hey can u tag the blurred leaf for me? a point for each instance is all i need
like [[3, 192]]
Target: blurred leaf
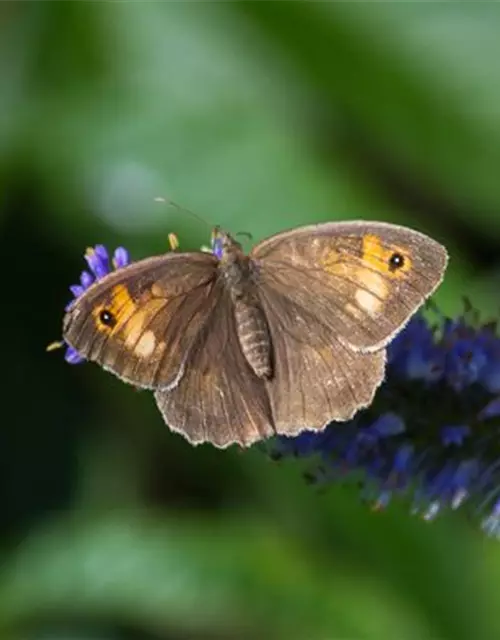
[[424, 564], [416, 79], [191, 576], [183, 108]]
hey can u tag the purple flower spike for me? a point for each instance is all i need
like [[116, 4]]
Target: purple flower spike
[[432, 433]]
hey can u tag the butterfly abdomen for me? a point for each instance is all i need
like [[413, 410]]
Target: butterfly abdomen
[[253, 335], [251, 325]]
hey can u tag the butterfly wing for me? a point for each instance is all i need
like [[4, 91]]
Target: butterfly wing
[[316, 378], [361, 280], [140, 322], [219, 399]]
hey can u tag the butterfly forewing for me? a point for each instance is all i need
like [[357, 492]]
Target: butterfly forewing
[[361, 280], [140, 322]]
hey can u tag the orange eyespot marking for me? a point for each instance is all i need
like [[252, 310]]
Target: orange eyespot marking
[[133, 331], [122, 299], [136, 334], [109, 317], [393, 261]]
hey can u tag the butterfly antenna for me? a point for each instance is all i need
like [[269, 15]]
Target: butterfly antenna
[[247, 234], [182, 209]]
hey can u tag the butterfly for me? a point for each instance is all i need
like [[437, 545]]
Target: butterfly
[[237, 348]]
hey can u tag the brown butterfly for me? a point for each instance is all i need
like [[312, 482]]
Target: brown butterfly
[[240, 347]]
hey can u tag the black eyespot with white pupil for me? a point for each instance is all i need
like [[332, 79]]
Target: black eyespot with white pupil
[[107, 318], [396, 261]]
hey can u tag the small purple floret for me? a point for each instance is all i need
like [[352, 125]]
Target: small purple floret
[[120, 258], [388, 424], [98, 261], [76, 290], [86, 279], [491, 410], [454, 434], [72, 356], [217, 247]]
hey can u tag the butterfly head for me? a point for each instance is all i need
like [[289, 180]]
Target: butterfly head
[[222, 243]]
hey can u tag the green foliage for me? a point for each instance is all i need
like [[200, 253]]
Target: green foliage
[[258, 116]]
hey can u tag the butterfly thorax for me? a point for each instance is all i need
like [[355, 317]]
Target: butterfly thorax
[[238, 275]]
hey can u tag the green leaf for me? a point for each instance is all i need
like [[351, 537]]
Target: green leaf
[[193, 575], [416, 80]]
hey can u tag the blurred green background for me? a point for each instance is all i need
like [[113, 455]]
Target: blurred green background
[[258, 116]]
